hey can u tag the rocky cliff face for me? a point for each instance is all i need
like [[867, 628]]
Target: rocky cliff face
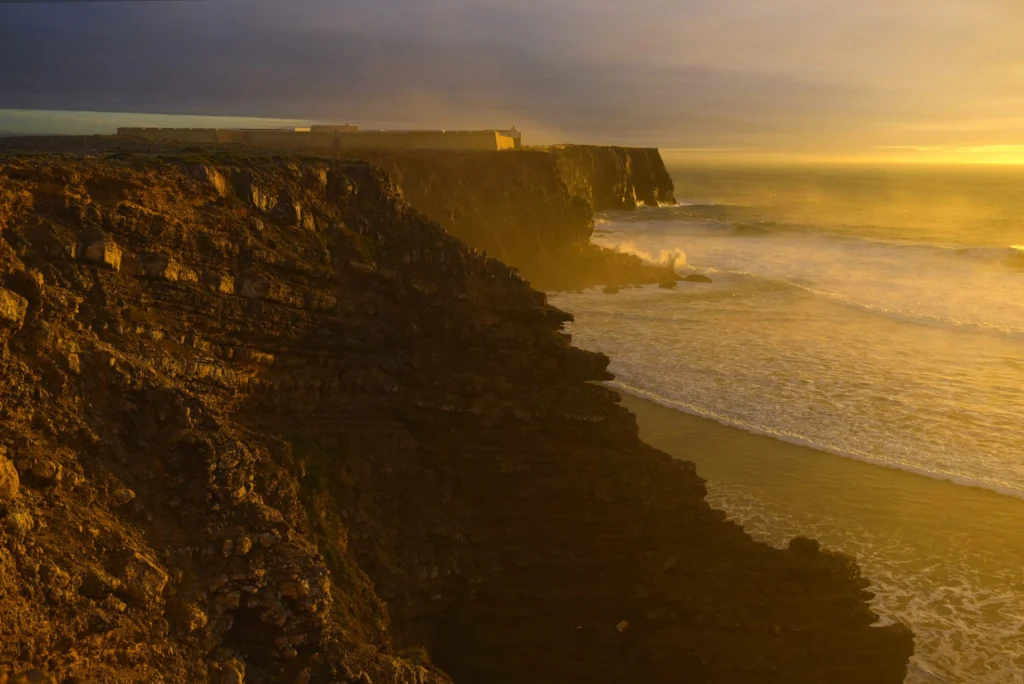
[[533, 209], [614, 177], [262, 422]]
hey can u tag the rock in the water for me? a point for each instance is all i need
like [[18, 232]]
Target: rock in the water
[[804, 546], [611, 289], [9, 481], [667, 283], [697, 278]]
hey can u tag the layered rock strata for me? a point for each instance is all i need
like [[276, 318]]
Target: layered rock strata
[[534, 209], [260, 421], [614, 177]]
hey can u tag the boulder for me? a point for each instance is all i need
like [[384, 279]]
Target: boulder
[[667, 283], [104, 253], [13, 308], [611, 289], [224, 284], [697, 278], [47, 471], [234, 672], [212, 176], [164, 267], [142, 579], [255, 288], [19, 523], [9, 481], [98, 584]]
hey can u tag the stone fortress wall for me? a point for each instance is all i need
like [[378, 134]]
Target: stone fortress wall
[[336, 137]]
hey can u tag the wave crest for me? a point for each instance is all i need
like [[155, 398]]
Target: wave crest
[[671, 258]]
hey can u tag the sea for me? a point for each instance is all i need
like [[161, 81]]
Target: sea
[[864, 329]]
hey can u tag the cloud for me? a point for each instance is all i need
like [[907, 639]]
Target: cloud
[[794, 74]]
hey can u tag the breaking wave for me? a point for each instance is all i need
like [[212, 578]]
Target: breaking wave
[[672, 258]]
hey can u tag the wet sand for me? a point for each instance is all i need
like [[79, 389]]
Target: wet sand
[[946, 559]]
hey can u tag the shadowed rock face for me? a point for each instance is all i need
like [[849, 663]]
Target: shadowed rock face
[[534, 209], [294, 432], [614, 177]]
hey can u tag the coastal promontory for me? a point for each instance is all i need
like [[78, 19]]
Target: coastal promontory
[[262, 420]]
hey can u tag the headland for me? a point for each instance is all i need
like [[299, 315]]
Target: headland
[[263, 420]]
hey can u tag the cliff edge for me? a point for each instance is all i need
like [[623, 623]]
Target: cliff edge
[[534, 209], [614, 177], [261, 421]]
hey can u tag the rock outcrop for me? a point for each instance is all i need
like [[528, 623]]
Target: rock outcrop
[[534, 209], [615, 177], [270, 425]]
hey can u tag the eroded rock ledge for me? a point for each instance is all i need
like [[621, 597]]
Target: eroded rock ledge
[[261, 421]]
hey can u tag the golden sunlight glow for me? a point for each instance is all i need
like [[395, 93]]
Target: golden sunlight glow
[[887, 154]]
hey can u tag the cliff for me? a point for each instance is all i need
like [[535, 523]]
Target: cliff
[[260, 421], [534, 209], [614, 177]]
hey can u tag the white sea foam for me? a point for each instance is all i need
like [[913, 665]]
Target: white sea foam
[[886, 349], [849, 347], [800, 440], [965, 612], [672, 258]]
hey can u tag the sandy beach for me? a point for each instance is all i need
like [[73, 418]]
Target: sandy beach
[[944, 558]]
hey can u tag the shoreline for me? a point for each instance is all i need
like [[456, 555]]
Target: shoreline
[[644, 395], [766, 447], [941, 557]]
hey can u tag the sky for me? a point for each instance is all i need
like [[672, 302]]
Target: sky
[[887, 78]]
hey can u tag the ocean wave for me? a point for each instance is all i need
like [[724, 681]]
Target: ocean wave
[[736, 221], [944, 285], [702, 228], [916, 317], [672, 258], [1015, 260], [750, 229], [679, 212], [834, 449], [1011, 257]]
